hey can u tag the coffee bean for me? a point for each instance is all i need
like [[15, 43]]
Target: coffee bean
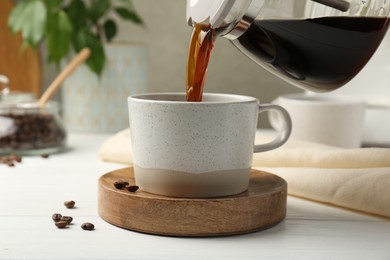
[[132, 188], [45, 156], [87, 226], [61, 224], [120, 184], [15, 157], [68, 219], [10, 160], [56, 217], [69, 204]]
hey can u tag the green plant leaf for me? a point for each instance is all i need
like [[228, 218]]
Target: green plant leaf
[[97, 59], [110, 29], [15, 20], [29, 18], [58, 35], [65, 22], [77, 13], [128, 2], [98, 8], [129, 14], [53, 4]]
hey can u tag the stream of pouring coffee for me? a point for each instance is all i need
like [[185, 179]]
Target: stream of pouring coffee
[[201, 45]]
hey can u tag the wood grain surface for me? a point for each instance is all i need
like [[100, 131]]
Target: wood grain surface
[[23, 68], [261, 206]]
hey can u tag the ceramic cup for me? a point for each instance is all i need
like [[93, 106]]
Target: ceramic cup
[[197, 149], [329, 119]]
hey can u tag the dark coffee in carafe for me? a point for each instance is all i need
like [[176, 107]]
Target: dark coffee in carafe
[[320, 54]]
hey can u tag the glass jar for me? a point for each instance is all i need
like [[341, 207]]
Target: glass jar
[[27, 129]]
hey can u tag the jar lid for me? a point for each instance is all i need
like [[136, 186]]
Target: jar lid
[[16, 97]]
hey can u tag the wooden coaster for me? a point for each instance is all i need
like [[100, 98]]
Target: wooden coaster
[[261, 206]]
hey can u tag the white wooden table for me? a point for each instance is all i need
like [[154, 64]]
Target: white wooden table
[[35, 189]]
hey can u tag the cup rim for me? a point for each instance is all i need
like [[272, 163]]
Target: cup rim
[[180, 98]]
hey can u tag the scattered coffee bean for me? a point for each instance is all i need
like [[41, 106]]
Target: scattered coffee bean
[[69, 204], [62, 221], [120, 184], [61, 224], [15, 157], [10, 159], [68, 219], [56, 217], [45, 156], [132, 188], [4, 159], [87, 226]]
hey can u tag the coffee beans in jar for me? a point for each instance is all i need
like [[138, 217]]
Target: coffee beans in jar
[[27, 129]]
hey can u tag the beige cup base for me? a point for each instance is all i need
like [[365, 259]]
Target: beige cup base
[[190, 185]]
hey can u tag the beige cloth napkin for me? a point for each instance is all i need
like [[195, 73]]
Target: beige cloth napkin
[[117, 148], [357, 179]]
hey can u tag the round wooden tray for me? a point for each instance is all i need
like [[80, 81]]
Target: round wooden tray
[[261, 206]]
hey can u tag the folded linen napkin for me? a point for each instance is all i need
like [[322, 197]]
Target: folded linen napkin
[[357, 179], [365, 189], [117, 148], [306, 154]]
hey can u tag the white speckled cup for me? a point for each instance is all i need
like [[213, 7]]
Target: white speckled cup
[[197, 149]]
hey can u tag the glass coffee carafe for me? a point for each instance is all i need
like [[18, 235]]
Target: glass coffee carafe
[[317, 45]]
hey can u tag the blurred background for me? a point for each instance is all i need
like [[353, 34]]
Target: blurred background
[[166, 36], [158, 64]]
